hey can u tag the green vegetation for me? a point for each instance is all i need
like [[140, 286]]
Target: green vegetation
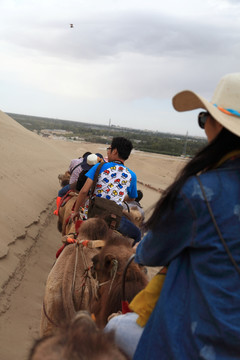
[[149, 141]]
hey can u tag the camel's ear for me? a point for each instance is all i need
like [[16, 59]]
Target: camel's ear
[[108, 260], [111, 264]]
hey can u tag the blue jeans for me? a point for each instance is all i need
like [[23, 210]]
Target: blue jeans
[[127, 228], [64, 190]]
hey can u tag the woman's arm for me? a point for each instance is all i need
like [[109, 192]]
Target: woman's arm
[[174, 233]]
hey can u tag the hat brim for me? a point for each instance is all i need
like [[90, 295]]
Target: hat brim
[[188, 100]]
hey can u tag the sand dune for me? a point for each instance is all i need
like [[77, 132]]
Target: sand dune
[[29, 239]]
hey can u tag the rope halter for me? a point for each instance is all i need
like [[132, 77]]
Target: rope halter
[[113, 274]]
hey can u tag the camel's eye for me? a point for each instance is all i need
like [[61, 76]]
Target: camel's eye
[[95, 260]]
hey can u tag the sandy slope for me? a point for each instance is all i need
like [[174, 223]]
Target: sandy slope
[[29, 238]]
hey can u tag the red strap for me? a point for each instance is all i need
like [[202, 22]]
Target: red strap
[[71, 240], [67, 220], [163, 271], [125, 307], [65, 198], [74, 205], [85, 242], [60, 250], [78, 223]]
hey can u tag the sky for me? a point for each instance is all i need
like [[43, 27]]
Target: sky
[[122, 62]]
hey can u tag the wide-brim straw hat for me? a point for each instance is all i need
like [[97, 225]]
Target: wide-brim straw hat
[[224, 106]]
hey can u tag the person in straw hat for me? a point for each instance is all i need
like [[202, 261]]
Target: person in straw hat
[[195, 230]]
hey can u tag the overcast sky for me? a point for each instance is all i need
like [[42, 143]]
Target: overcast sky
[[123, 60]]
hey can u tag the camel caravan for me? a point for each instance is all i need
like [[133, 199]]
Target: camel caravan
[[87, 276]]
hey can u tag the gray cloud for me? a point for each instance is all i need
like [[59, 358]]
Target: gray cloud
[[110, 35], [188, 53], [116, 62]]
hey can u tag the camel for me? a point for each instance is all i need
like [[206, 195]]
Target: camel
[[78, 339], [64, 178], [70, 286], [108, 267], [65, 224], [134, 216]]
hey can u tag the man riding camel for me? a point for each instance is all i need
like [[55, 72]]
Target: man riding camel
[[115, 182]]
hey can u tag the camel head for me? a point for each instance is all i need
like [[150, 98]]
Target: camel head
[[79, 339], [108, 267], [134, 216], [111, 259], [64, 179]]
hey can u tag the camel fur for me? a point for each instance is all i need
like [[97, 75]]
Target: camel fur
[[60, 301], [65, 223], [78, 339], [64, 178], [134, 216]]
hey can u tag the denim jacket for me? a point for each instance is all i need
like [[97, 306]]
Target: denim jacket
[[197, 315]]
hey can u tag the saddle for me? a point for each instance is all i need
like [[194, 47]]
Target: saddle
[[66, 197]]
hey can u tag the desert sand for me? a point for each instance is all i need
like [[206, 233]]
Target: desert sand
[[29, 240]]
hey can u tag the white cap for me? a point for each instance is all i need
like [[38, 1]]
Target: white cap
[[92, 159]]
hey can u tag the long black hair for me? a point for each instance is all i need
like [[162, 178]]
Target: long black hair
[[206, 159]]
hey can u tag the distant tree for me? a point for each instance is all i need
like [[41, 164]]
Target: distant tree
[[156, 142]]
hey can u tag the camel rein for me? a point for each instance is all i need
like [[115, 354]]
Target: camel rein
[[87, 268], [45, 313], [113, 275]]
